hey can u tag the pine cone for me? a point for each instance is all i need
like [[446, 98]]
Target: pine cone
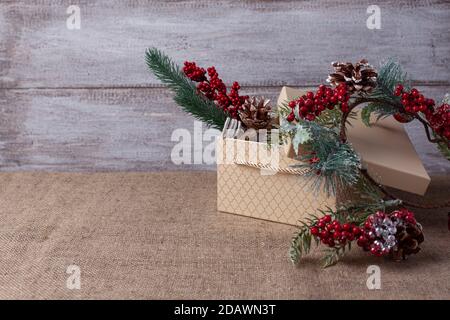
[[360, 77], [255, 113], [409, 237]]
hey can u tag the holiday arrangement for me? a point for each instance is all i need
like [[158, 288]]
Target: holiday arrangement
[[315, 123]]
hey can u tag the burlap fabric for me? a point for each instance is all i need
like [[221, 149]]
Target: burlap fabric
[[159, 235]]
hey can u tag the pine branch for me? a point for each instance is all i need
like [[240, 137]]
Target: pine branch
[[389, 76], [333, 118], [337, 165], [381, 109], [184, 89], [332, 256], [384, 102], [302, 240]]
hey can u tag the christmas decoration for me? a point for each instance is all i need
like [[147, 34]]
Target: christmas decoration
[[360, 77], [332, 232], [311, 105], [397, 234], [331, 158], [214, 89], [186, 93], [256, 113], [316, 121]]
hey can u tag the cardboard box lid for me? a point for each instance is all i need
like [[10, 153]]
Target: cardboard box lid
[[385, 150]]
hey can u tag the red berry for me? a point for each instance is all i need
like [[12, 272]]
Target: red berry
[[399, 87], [356, 231], [292, 104], [324, 234], [327, 218], [310, 95], [362, 241], [421, 99], [290, 117], [314, 231], [321, 224], [346, 226], [333, 99]]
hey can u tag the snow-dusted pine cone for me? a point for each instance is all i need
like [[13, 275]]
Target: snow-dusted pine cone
[[360, 77]]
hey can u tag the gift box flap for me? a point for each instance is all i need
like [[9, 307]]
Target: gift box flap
[[385, 149], [287, 94], [388, 154]]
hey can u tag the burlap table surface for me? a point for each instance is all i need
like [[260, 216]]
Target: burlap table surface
[[159, 236]]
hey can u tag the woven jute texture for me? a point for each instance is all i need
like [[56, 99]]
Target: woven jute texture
[[159, 235]]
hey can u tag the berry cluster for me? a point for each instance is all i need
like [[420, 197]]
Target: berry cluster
[[214, 89], [414, 102], [440, 120], [193, 72], [312, 104], [379, 235], [332, 232]]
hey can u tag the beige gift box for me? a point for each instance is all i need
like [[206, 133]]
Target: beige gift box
[[257, 181]]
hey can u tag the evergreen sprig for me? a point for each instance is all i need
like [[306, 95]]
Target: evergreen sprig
[[337, 165], [390, 75], [334, 254], [184, 89], [303, 239], [351, 212]]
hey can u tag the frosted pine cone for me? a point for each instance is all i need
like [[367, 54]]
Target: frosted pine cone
[[360, 77]]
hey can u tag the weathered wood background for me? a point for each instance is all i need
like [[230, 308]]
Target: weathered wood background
[[83, 100]]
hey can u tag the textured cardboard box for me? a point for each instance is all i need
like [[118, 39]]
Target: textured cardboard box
[[249, 191]]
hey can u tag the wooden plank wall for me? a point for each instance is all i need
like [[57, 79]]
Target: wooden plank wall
[[83, 100]]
